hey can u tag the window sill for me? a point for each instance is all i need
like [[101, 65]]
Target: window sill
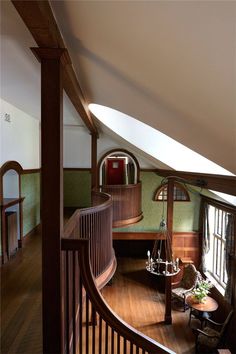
[[215, 283]]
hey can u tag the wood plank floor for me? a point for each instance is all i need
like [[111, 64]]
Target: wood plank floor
[[133, 295], [136, 297]]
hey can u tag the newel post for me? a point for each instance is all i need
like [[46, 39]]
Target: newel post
[[51, 195]]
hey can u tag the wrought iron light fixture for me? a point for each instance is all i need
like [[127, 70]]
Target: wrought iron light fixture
[[160, 260]]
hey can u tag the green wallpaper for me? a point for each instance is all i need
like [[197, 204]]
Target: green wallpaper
[[30, 189], [77, 188], [186, 214]]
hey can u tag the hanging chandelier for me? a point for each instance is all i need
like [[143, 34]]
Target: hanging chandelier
[[160, 260]]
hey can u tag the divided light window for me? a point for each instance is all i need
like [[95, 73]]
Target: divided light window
[[180, 193], [215, 258]]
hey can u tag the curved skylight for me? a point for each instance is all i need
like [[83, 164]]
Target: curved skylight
[[155, 143]]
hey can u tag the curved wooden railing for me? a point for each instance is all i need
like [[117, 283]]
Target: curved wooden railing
[[95, 328], [127, 203], [95, 223]]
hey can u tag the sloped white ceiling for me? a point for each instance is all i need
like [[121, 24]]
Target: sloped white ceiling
[[20, 70], [170, 64]]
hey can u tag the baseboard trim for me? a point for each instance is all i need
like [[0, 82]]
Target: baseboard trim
[[26, 238]]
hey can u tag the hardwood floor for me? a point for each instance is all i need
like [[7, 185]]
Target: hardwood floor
[[136, 297], [21, 301], [133, 295]]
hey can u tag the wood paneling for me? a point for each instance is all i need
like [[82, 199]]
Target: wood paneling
[[126, 200]]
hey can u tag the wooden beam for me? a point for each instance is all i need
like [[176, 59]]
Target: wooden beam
[[219, 183], [39, 19], [170, 212], [51, 195]]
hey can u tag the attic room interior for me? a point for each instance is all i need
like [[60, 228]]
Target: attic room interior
[[117, 177]]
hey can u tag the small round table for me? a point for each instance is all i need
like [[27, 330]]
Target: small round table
[[201, 310]]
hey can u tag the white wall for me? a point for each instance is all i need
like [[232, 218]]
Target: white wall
[[19, 137], [77, 147]]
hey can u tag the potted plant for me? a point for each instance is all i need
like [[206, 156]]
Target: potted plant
[[201, 290]]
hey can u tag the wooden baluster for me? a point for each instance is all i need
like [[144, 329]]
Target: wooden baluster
[[112, 341], [125, 346], [74, 304], [100, 335], [80, 316], [106, 339], [94, 315], [131, 348], [67, 303], [118, 343], [87, 323]]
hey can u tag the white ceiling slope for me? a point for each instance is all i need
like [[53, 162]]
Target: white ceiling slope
[[20, 70], [170, 64]]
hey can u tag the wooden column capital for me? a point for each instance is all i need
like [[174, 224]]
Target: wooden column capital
[[51, 53]]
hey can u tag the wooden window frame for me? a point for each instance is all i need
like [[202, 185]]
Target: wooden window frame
[[177, 185]]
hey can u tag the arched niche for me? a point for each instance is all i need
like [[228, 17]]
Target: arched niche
[[11, 202], [131, 166]]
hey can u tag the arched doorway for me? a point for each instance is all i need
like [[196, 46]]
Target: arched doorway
[[118, 167]]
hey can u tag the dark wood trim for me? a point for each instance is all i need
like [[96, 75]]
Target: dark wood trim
[[220, 204], [4, 204], [124, 151], [51, 192], [107, 275], [30, 170], [94, 179], [39, 19], [149, 235], [122, 223], [177, 185], [220, 183], [77, 169], [170, 214]]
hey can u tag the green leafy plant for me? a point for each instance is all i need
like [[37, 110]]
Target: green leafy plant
[[201, 290]]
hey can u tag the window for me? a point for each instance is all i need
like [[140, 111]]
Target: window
[[215, 258], [180, 193]]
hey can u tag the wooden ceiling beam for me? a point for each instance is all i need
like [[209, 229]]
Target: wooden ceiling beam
[[39, 19], [219, 183]]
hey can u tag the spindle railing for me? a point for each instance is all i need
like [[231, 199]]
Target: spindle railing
[[126, 199], [95, 328], [95, 223]]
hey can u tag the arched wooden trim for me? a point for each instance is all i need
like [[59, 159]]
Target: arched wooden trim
[[6, 203], [177, 186], [123, 151], [10, 165]]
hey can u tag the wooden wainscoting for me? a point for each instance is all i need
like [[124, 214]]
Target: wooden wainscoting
[[185, 244]]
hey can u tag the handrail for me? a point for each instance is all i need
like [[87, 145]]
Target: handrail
[[131, 336], [95, 222]]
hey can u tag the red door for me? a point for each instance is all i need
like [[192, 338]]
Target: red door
[[115, 171]]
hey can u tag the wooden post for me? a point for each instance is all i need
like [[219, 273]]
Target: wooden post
[[170, 209], [94, 182], [51, 195]]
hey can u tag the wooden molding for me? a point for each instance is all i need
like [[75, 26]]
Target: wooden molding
[[120, 223], [30, 170], [77, 169], [39, 19]]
